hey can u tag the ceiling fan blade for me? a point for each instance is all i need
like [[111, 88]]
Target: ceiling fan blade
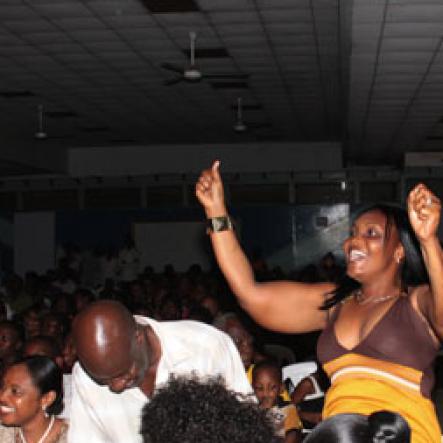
[[60, 137], [172, 67], [173, 81], [259, 125], [227, 75]]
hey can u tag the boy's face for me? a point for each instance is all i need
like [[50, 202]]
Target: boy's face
[[267, 387], [243, 341]]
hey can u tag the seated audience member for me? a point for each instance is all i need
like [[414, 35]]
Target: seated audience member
[[31, 321], [189, 410], [243, 340], [69, 354], [65, 278], [170, 307], [30, 398], [128, 261], [199, 313], [43, 345], [11, 342], [308, 397], [82, 298], [329, 270], [53, 325], [136, 293], [63, 304], [211, 303], [15, 295], [109, 290], [124, 359], [268, 386], [379, 427]]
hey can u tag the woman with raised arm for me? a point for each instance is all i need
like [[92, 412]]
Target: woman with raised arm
[[382, 325]]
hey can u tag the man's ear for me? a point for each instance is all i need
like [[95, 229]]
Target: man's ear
[[59, 361], [139, 334]]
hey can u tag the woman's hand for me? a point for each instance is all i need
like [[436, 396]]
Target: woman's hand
[[210, 193], [424, 212]]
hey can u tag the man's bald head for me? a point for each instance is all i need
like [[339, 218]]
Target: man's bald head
[[104, 335]]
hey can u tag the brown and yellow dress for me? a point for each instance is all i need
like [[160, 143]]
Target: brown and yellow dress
[[391, 369]]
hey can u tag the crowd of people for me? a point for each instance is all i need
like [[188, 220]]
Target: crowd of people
[[161, 357], [37, 318]]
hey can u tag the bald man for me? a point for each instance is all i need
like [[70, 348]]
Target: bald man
[[122, 359]]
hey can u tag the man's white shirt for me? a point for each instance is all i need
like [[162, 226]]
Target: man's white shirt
[[99, 415]]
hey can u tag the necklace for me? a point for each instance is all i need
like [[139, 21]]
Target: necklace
[[358, 295], [45, 434]]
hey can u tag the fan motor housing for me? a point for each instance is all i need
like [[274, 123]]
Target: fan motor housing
[[192, 74]]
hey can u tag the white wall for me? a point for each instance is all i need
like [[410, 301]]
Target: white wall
[[178, 243], [34, 241], [258, 157]]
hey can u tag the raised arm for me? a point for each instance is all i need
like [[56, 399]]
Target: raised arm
[[424, 215], [281, 306]]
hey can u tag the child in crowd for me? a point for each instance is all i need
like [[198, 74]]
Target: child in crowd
[[308, 398], [11, 342], [268, 387]]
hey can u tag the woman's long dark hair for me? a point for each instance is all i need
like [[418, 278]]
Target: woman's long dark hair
[[46, 376], [413, 270]]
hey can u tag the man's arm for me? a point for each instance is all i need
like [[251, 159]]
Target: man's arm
[[101, 416], [82, 426]]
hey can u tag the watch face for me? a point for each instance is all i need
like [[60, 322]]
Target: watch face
[[219, 224]]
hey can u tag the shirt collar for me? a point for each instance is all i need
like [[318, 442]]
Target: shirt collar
[[174, 350]]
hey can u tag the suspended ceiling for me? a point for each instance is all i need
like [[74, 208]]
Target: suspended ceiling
[[366, 73]]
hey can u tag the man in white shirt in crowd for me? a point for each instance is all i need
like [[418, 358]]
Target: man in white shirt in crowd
[[124, 358]]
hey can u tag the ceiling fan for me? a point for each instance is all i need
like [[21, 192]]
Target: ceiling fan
[[240, 125], [40, 133], [191, 72]]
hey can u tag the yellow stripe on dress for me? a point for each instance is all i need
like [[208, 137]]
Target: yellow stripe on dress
[[375, 372], [364, 385], [410, 377]]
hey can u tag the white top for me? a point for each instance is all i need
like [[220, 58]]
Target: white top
[[67, 394], [101, 416], [128, 262]]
